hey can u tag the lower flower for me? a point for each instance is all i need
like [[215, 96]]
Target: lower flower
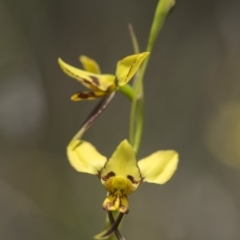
[[122, 174]]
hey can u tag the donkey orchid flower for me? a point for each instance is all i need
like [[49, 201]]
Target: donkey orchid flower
[[121, 174], [101, 85]]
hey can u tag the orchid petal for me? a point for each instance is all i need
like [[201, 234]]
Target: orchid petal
[[88, 95], [84, 157], [122, 164], [89, 64], [90, 80], [128, 66], [159, 166]]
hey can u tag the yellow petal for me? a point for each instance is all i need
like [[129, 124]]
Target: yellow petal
[[116, 202], [111, 203], [84, 157], [128, 66], [159, 166], [89, 64], [88, 95], [90, 80], [124, 206], [122, 164]]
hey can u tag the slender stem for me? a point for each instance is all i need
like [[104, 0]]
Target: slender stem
[[128, 91], [112, 221], [161, 12], [114, 225], [108, 232], [134, 39], [96, 112], [136, 49], [136, 115]]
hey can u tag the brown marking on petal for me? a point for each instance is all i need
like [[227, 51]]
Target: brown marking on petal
[[107, 206], [130, 69], [95, 80], [85, 94], [76, 76], [117, 197], [116, 80], [124, 209], [106, 177], [131, 178], [86, 81]]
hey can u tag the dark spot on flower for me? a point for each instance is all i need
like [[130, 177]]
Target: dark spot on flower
[[109, 175], [131, 178], [95, 80], [124, 209], [86, 81], [85, 95], [76, 76]]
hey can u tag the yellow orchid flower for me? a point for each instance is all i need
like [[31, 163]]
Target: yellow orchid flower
[[121, 174], [102, 85]]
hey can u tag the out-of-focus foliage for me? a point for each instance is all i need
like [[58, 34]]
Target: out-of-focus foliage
[[223, 133], [191, 105]]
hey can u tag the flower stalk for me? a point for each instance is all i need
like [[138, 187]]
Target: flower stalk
[[136, 114], [137, 92]]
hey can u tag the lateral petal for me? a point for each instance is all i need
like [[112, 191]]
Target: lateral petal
[[90, 80], [84, 157], [88, 95], [159, 166], [89, 64], [128, 66]]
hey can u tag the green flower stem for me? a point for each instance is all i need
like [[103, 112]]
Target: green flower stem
[[137, 108], [162, 10], [127, 90], [136, 115], [136, 94]]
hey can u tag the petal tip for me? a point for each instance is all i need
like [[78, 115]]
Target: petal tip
[[60, 60], [145, 53], [159, 167], [75, 98], [125, 143], [61, 64]]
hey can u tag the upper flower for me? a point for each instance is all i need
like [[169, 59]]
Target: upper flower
[[102, 84], [121, 174]]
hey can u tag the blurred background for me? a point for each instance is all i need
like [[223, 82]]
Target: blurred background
[[192, 105]]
